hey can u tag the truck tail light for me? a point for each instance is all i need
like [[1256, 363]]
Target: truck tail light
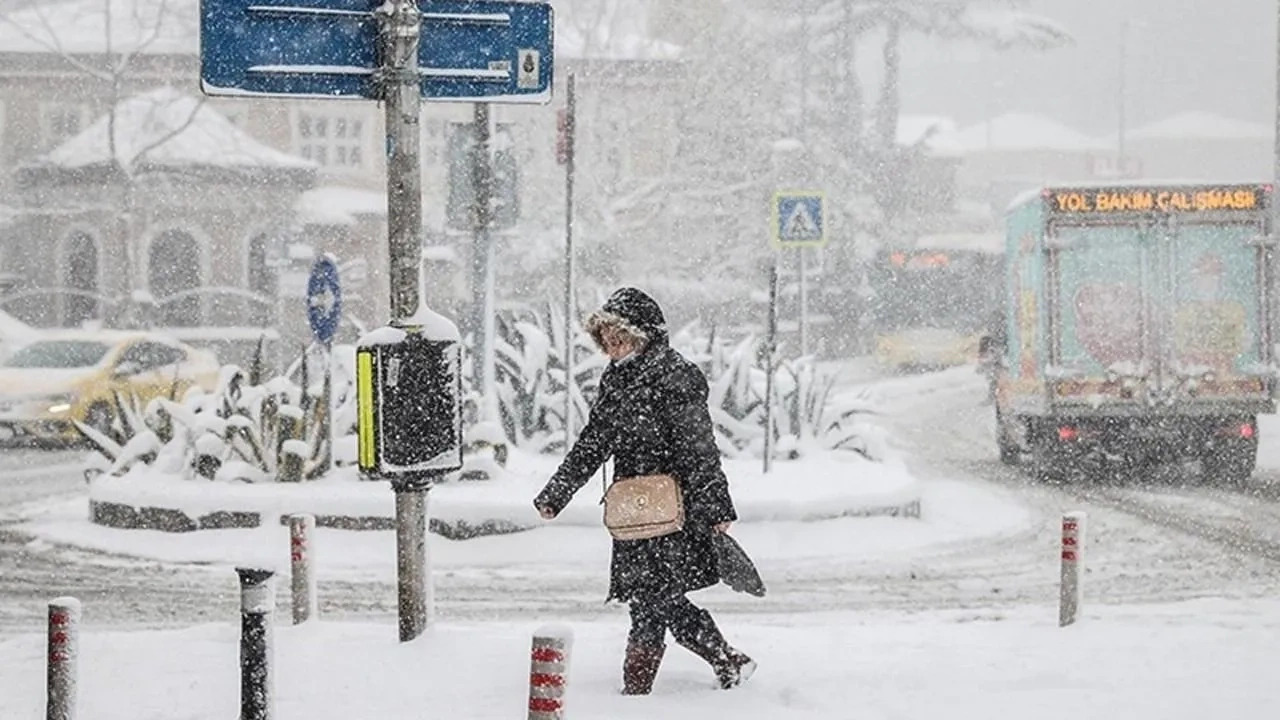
[[1066, 433], [1247, 431]]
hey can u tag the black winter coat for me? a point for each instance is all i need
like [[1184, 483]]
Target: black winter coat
[[651, 416]]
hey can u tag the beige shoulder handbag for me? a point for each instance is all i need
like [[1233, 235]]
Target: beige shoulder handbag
[[643, 507]]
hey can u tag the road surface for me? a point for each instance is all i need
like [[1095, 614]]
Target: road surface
[[1157, 542]]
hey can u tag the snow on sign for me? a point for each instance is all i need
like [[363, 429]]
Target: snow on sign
[[798, 220]]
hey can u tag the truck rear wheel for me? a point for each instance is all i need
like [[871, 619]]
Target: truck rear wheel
[[1229, 464], [1048, 464], [1010, 451]]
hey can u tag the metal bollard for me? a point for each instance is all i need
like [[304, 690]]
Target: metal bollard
[[302, 578], [1072, 562], [549, 672], [257, 604], [64, 653]]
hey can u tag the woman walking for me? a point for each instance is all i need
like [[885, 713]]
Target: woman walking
[[651, 417]]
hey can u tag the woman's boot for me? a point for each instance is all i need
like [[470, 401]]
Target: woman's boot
[[640, 667], [736, 668], [704, 639]]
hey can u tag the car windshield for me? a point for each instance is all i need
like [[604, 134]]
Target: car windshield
[[59, 354]]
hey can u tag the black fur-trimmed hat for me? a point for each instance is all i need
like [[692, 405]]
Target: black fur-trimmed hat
[[630, 310]]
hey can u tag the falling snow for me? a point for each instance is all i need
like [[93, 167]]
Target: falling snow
[[951, 270]]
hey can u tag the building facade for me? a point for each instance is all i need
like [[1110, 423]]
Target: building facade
[[77, 232]]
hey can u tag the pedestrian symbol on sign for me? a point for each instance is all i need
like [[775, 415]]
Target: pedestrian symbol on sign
[[798, 220], [800, 225]]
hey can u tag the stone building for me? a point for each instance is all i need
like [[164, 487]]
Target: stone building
[[65, 63], [159, 212]]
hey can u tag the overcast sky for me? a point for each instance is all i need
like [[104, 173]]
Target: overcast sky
[[1213, 55]]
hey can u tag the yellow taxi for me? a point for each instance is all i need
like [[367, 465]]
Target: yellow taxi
[[920, 349], [61, 376]]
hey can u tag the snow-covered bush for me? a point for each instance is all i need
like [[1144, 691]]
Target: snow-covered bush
[[803, 413], [134, 435], [805, 417], [245, 429], [529, 373]]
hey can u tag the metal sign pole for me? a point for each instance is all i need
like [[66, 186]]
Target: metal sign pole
[[326, 411], [482, 261], [771, 345], [570, 130], [804, 303], [399, 33]]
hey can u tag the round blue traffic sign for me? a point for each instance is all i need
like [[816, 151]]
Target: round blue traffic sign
[[324, 298]]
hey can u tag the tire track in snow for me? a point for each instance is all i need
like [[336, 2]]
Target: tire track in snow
[[1197, 517]]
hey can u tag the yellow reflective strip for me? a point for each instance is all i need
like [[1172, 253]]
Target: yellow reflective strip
[[364, 408]]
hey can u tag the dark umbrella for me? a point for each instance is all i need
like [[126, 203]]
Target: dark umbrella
[[736, 569]]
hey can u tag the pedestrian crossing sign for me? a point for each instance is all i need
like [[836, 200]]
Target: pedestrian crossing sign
[[798, 220]]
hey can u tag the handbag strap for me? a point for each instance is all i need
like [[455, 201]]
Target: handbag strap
[[604, 479]]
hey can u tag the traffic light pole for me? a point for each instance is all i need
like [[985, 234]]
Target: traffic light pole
[[400, 24]]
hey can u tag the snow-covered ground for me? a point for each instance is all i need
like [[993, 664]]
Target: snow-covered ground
[[952, 614], [1191, 660]]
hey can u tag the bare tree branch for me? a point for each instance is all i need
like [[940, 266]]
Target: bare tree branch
[[182, 127], [52, 43]]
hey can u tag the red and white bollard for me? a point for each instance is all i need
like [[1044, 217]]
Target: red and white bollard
[[1072, 566], [549, 672], [302, 578], [64, 654]]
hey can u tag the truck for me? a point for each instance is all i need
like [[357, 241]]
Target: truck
[[1136, 329]]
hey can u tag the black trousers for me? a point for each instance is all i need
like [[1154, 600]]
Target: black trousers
[[653, 615]]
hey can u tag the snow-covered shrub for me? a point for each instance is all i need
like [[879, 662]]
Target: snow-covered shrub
[[245, 429], [802, 413], [484, 451], [805, 417], [529, 373], [134, 435]]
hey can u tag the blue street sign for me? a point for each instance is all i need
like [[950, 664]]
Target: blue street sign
[[798, 219], [468, 51], [324, 298]]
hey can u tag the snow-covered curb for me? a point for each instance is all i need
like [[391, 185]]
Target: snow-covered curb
[[824, 487]]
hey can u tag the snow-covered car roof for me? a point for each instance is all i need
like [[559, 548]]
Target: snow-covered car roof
[[109, 336]]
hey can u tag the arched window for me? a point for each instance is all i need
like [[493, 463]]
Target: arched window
[[261, 279], [80, 258], [173, 269]]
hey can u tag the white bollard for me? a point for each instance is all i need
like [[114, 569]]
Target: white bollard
[[1072, 565], [63, 656], [549, 672], [302, 577]]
